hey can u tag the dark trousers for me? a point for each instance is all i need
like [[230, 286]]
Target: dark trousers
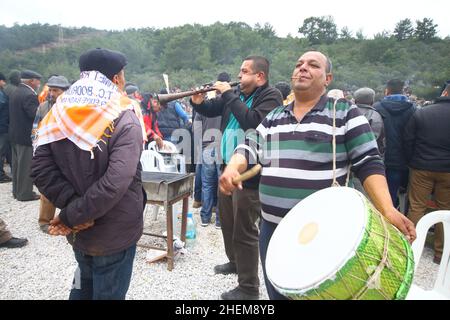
[[396, 179], [238, 216], [198, 183], [103, 277], [21, 169], [5, 152], [267, 230]]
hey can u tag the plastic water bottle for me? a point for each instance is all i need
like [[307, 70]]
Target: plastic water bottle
[[191, 230]]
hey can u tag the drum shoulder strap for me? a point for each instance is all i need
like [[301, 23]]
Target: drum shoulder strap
[[335, 183]]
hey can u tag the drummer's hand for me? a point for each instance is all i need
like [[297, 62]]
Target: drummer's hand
[[222, 86], [402, 223], [226, 184], [199, 97]]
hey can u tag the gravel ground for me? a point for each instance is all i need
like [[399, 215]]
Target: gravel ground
[[44, 268]]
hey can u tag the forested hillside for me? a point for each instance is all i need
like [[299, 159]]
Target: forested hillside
[[193, 54]]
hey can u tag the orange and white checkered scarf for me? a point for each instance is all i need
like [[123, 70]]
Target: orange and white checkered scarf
[[85, 111]]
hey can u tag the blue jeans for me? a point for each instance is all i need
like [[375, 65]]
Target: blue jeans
[[396, 179], [210, 172], [198, 183], [103, 277], [265, 234]]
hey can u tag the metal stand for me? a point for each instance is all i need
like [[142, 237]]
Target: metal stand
[[166, 189]]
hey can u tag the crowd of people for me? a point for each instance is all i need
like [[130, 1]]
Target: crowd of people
[[81, 144]]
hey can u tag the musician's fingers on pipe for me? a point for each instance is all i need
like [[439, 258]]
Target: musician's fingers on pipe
[[198, 98], [222, 86]]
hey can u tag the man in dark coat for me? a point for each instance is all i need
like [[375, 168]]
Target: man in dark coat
[[4, 124], [23, 104], [91, 171], [427, 147], [396, 109], [239, 212]]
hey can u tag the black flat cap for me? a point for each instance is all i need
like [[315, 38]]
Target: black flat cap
[[2, 77], [29, 74], [106, 61]]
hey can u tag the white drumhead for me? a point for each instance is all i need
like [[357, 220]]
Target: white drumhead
[[316, 238]]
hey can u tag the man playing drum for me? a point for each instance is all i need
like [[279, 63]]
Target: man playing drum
[[294, 144]]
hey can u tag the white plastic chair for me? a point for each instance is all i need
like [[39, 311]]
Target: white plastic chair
[[172, 161], [441, 289], [151, 161]]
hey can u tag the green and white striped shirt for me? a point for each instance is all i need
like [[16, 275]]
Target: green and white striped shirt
[[297, 157]]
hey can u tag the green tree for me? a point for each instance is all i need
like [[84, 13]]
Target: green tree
[[187, 49], [266, 31], [223, 44], [426, 30], [346, 34], [404, 30], [319, 30], [360, 35]]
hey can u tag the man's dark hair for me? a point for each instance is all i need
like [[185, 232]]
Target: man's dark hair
[[395, 86], [14, 77], [260, 64], [284, 88]]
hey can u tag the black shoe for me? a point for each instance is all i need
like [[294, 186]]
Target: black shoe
[[227, 268], [33, 198], [44, 227], [238, 294], [437, 259], [14, 243], [5, 179]]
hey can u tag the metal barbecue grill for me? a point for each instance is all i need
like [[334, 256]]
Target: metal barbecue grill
[[165, 189]]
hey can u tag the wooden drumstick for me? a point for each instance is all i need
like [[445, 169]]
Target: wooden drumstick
[[247, 174]]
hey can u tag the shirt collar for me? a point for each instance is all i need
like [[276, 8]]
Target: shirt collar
[[320, 105], [29, 88]]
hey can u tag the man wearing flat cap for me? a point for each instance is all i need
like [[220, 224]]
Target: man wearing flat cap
[[56, 86], [23, 104], [133, 93], [86, 162]]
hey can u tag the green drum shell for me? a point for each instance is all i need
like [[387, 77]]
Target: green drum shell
[[352, 280]]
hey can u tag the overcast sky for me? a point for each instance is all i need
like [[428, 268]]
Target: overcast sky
[[286, 16]]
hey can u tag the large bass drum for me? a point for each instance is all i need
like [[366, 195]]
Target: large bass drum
[[335, 245]]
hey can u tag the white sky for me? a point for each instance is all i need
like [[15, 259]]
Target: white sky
[[286, 16]]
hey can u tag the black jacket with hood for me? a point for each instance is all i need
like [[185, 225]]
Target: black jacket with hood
[[395, 116]]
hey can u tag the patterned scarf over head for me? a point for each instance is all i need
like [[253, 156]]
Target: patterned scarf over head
[[85, 111]]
